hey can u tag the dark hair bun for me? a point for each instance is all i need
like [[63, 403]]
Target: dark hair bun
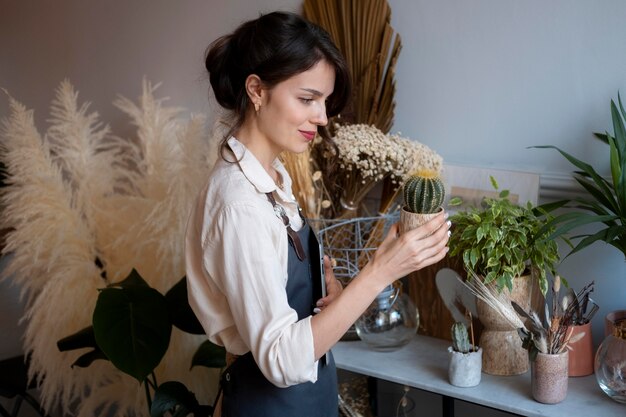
[[218, 64], [276, 46]]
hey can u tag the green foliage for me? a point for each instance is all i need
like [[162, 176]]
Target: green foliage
[[181, 314], [605, 203], [500, 240], [132, 323], [423, 193], [174, 399], [132, 326], [460, 338]]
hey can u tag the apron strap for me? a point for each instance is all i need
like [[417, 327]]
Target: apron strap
[[292, 234]]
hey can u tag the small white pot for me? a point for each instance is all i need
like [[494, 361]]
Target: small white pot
[[465, 368]]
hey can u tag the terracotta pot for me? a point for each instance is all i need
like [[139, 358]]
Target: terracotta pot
[[548, 377], [581, 352], [503, 353], [410, 221], [464, 369]]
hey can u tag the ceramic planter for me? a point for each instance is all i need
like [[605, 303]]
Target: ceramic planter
[[581, 352], [410, 221], [549, 377], [465, 368], [503, 352]]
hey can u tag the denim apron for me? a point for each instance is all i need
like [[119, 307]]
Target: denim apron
[[247, 393]]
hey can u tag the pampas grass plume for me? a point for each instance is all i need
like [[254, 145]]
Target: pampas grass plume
[[77, 194]]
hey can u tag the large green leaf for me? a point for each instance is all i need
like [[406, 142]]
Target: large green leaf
[[173, 399], [133, 279], [132, 327], [588, 169], [592, 188], [88, 358], [209, 355], [618, 126], [84, 338], [580, 220], [181, 313]]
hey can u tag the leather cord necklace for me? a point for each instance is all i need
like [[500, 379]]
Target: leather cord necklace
[[292, 234]]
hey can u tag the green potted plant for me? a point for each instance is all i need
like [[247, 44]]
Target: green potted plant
[[465, 364], [507, 246], [501, 240], [605, 203], [423, 193]]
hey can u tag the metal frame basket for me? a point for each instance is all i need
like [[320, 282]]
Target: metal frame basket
[[352, 242]]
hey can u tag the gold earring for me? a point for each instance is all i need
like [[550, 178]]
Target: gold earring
[[257, 106]]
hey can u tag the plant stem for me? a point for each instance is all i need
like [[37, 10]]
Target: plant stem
[[148, 398], [150, 383], [472, 330]]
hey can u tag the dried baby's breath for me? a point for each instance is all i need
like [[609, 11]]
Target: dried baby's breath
[[368, 156], [364, 157]]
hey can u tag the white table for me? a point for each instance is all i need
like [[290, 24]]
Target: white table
[[423, 364]]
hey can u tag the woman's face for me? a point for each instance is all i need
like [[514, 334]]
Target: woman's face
[[292, 110]]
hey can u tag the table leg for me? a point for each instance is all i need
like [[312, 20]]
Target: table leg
[[447, 406]]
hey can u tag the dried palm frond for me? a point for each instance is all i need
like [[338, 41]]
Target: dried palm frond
[[362, 30], [307, 185]]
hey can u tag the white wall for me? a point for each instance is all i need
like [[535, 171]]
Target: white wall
[[478, 81]]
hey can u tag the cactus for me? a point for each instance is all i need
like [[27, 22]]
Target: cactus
[[460, 338], [423, 192]]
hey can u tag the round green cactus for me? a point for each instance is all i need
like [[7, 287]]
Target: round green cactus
[[423, 192]]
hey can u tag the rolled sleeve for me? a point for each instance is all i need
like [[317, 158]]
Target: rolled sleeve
[[252, 279]]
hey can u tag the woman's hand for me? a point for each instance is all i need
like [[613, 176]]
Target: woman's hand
[[333, 286], [397, 256]]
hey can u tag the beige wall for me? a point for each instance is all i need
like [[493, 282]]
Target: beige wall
[[105, 48]]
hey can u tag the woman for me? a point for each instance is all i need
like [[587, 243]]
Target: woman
[[248, 252]]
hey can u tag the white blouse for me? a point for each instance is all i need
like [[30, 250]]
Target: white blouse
[[236, 261]]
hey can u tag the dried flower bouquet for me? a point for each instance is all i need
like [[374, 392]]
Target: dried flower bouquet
[[551, 334], [333, 183]]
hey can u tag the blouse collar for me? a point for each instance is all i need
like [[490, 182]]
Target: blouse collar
[[254, 171]]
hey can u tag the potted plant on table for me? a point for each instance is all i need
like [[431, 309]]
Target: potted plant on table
[[603, 205], [507, 246], [465, 365], [548, 340]]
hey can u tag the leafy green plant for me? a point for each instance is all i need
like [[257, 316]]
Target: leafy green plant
[[500, 240], [132, 324], [605, 203]]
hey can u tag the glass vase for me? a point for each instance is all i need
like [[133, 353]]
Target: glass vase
[[610, 364], [391, 320]]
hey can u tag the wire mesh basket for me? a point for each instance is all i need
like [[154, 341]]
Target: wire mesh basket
[[351, 243]]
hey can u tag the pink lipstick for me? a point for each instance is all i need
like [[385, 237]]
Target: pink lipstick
[[308, 135]]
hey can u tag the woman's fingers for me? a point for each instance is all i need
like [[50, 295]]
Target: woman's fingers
[[333, 286], [415, 249]]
